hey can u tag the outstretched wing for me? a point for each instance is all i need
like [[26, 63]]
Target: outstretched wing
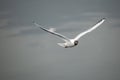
[[53, 32], [91, 29]]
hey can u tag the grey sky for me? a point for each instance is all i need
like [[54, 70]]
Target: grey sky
[[28, 53]]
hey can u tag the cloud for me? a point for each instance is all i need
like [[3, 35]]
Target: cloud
[[95, 14], [4, 19], [23, 31], [3, 22]]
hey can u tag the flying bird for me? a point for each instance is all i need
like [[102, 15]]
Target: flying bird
[[70, 42]]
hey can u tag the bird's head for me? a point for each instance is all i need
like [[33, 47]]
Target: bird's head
[[75, 43]]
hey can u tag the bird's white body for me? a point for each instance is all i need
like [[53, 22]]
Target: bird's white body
[[68, 44], [71, 42]]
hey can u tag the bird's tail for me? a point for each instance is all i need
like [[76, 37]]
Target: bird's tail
[[61, 44]]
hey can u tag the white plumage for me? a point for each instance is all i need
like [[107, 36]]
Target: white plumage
[[70, 42]]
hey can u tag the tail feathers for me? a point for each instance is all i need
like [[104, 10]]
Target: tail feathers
[[61, 44]]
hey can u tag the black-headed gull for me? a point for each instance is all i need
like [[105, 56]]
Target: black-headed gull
[[70, 42]]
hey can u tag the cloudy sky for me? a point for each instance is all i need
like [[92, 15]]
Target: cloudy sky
[[28, 53]]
